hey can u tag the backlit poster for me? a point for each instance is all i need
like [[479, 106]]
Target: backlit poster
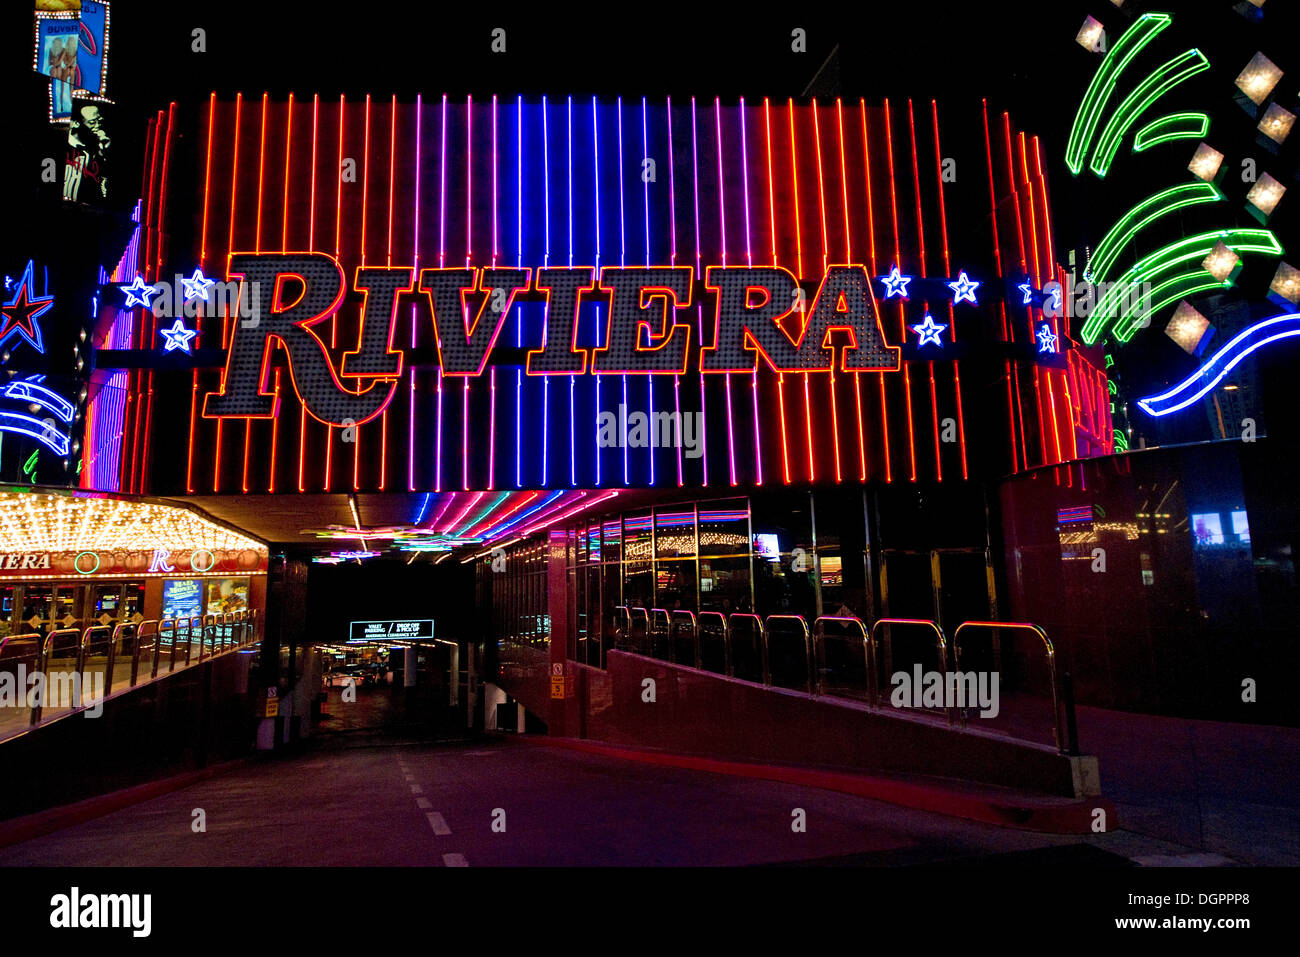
[[225, 596], [92, 46], [182, 598], [86, 170]]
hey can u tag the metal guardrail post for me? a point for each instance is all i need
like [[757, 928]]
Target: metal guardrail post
[[47, 649], [807, 648], [1066, 740], [819, 651], [189, 639], [943, 651], [135, 654], [689, 616], [721, 628], [622, 627], [638, 642], [111, 660], [659, 618], [1071, 724], [762, 643], [157, 646]]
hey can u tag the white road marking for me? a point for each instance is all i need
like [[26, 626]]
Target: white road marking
[[423, 803], [416, 789], [438, 823], [455, 860]]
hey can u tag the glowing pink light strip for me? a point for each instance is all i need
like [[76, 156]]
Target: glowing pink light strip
[[546, 261], [749, 260], [722, 217], [672, 232], [415, 245], [645, 182], [622, 257], [442, 259], [469, 256], [699, 271], [595, 146], [573, 462]]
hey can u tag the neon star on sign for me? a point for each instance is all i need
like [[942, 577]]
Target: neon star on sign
[[1046, 339], [138, 293], [1028, 291], [22, 311], [197, 286], [895, 284], [178, 337], [964, 288], [929, 331]]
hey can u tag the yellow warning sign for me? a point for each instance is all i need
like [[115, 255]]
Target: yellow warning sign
[[272, 707], [557, 687]]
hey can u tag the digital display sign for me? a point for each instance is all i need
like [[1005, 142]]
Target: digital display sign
[[389, 630]]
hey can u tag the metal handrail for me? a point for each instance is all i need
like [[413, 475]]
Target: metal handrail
[[1064, 726], [31, 636], [819, 649], [134, 631], [807, 649], [726, 644], [673, 628], [943, 650], [762, 642]]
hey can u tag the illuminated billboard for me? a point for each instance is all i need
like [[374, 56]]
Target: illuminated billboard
[[564, 294]]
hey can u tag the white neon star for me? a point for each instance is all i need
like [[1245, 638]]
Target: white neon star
[[178, 337], [929, 331], [197, 286], [138, 293], [895, 283], [1028, 291], [1046, 339], [964, 288]]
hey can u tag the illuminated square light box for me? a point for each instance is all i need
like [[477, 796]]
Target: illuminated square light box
[[1250, 9], [1222, 263], [1276, 123], [1264, 197], [1256, 82], [1091, 35], [1189, 329], [1206, 162], [1285, 287]]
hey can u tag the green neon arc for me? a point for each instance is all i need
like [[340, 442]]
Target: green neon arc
[[1121, 441], [1161, 80], [1142, 215], [1158, 265], [1175, 126], [1147, 27]]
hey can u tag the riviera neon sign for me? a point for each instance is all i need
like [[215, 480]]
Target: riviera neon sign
[[469, 306]]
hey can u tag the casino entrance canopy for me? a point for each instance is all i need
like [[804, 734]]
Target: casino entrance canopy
[[571, 297], [74, 535]]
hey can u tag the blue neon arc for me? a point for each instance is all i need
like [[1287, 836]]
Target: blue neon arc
[[1221, 363], [30, 390], [37, 429]]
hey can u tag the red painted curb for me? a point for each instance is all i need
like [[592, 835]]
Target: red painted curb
[[1024, 812], [38, 824]]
